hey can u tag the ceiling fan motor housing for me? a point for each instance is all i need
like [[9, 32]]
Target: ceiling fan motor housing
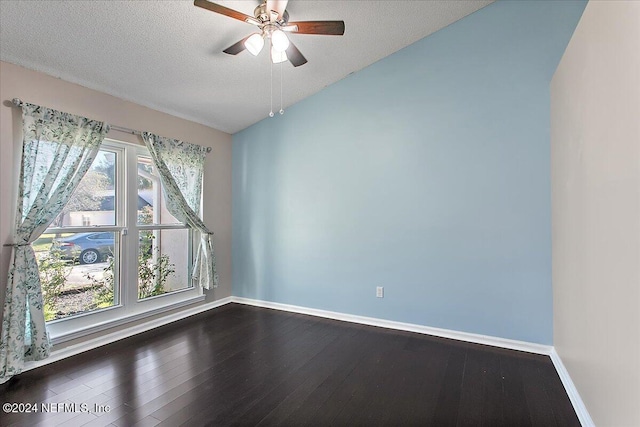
[[262, 14]]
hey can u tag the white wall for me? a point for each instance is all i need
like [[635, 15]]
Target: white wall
[[39, 88], [595, 164]]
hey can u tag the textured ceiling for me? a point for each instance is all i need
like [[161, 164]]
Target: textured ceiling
[[167, 55]]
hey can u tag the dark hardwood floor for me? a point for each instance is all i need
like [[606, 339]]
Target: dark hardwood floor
[[242, 365]]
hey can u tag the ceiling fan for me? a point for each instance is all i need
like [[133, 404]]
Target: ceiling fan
[[272, 20]]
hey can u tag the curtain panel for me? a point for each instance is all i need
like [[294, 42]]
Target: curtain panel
[[57, 150], [181, 167]]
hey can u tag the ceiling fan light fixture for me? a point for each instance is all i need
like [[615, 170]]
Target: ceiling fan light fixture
[[278, 57], [254, 44], [279, 40]]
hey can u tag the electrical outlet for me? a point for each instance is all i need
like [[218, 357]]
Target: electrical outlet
[[379, 292]]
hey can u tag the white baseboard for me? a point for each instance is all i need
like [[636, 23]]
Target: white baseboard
[[572, 391], [72, 350], [389, 324]]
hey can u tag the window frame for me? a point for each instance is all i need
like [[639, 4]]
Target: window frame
[[127, 307]]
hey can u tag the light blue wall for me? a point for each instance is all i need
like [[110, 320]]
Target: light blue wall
[[426, 173]]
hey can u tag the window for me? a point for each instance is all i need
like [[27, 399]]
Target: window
[[162, 240], [114, 250]]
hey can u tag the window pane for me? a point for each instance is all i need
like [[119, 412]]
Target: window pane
[[151, 205], [93, 202], [163, 262], [76, 272]]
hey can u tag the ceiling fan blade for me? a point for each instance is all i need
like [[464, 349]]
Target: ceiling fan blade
[[236, 48], [331, 28], [295, 56], [278, 6], [226, 11]]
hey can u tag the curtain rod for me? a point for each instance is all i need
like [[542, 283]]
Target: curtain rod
[[18, 103]]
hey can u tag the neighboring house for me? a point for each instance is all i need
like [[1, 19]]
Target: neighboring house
[[105, 212]]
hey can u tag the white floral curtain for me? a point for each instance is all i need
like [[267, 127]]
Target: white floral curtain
[[181, 165], [58, 149]]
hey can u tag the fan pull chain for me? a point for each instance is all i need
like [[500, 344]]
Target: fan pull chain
[[271, 84], [281, 109]]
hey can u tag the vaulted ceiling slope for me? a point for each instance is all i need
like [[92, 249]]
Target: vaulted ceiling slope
[[167, 55]]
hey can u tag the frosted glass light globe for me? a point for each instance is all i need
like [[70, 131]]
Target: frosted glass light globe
[[279, 40], [278, 57], [254, 44]]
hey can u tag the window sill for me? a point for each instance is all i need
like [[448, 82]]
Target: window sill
[[82, 332]]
